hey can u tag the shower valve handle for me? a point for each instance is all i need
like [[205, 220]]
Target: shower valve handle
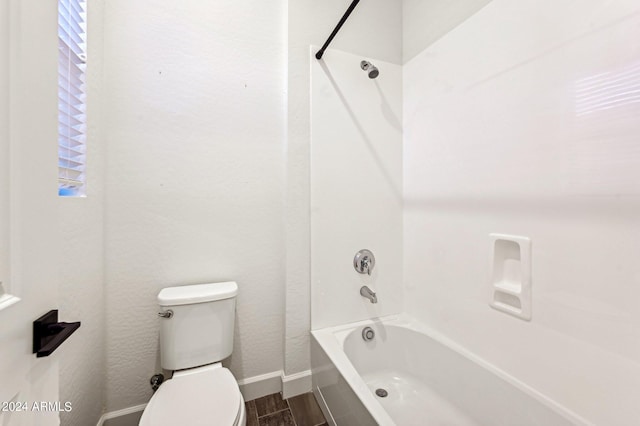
[[364, 261], [365, 265]]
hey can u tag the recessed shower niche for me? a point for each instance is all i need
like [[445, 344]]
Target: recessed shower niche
[[511, 275]]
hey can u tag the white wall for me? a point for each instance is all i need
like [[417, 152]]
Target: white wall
[[523, 120], [28, 60], [356, 187], [82, 368], [81, 248], [424, 22], [195, 120], [4, 145], [192, 127], [374, 29]]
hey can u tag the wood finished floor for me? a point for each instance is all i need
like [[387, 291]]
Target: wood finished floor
[[272, 410]]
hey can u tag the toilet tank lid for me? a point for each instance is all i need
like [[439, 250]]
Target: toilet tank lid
[[197, 293]]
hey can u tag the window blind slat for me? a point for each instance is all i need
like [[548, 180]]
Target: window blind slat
[[69, 42], [75, 7], [72, 63], [69, 10], [70, 127], [71, 119], [69, 183], [70, 163], [68, 144], [72, 81], [69, 154], [70, 26], [74, 69], [74, 97], [71, 96], [74, 101], [69, 173], [79, 7]]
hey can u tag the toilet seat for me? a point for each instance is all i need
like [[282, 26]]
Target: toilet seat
[[203, 396]]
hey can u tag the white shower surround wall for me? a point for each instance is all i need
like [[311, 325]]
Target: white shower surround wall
[[502, 135], [430, 380], [523, 121], [309, 23], [356, 187]]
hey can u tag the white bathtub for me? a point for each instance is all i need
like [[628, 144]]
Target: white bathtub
[[429, 379]]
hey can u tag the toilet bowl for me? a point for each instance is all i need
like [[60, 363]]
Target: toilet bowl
[[205, 396], [196, 333]]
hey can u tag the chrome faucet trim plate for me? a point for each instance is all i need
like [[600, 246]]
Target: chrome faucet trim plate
[[364, 261]]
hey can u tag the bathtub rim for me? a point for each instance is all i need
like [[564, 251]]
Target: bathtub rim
[[331, 340], [332, 347]]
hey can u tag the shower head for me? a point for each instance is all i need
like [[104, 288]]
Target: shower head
[[371, 69]]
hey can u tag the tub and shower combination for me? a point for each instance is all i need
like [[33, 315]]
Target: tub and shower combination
[[406, 374]]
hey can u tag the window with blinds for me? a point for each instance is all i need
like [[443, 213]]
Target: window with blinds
[[71, 96]]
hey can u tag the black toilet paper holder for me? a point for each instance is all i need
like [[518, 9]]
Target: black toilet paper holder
[[49, 334]]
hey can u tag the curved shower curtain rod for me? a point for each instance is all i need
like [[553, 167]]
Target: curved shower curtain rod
[[352, 6]]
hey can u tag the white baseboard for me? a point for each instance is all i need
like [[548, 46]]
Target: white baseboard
[[251, 388], [296, 384], [120, 413], [264, 384]]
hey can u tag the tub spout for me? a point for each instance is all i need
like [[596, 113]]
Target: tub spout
[[366, 292]]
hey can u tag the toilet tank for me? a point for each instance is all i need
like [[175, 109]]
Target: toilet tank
[[200, 329]]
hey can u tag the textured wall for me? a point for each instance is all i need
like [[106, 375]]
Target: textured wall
[[195, 119], [374, 29], [523, 120], [356, 188], [82, 368], [81, 223], [4, 136]]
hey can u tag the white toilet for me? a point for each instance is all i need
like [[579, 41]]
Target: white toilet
[[195, 335]]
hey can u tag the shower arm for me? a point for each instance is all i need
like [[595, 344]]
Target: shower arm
[[352, 6]]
